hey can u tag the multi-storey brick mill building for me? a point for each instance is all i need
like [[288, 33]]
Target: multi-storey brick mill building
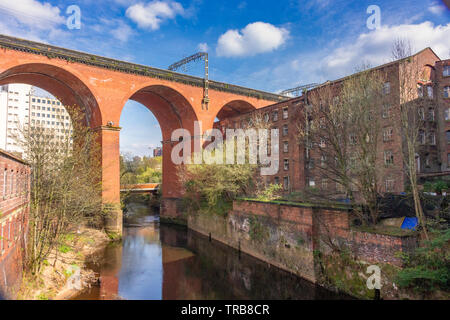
[[298, 162]]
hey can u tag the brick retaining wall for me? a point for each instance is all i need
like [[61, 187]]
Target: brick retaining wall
[[332, 223], [289, 235], [14, 198]]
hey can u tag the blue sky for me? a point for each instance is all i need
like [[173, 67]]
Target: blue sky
[[267, 45]]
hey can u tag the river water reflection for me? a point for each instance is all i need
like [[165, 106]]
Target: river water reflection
[[156, 262]]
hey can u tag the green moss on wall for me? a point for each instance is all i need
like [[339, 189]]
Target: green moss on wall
[[258, 232]]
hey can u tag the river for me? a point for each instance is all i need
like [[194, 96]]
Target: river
[[156, 261]]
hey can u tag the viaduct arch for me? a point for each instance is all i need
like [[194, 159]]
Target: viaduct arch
[[100, 87]]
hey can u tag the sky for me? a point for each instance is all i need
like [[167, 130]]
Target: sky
[[266, 45]]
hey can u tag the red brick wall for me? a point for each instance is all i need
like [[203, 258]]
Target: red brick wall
[[14, 198], [443, 104], [334, 224], [377, 247]]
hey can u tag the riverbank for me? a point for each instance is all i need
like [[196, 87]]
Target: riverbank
[[64, 274], [156, 261], [318, 244]]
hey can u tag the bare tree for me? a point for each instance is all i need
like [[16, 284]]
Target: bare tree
[[214, 185], [324, 133], [363, 98], [411, 108], [65, 186], [343, 131]]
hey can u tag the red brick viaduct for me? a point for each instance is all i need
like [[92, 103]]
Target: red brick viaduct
[[100, 87]]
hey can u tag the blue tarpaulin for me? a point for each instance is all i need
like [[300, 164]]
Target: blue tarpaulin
[[410, 223]]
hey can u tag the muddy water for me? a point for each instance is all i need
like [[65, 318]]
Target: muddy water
[[156, 262]]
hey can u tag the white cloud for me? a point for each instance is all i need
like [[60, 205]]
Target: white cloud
[[32, 20], [436, 8], [32, 13], [333, 62], [151, 15], [203, 47], [375, 47], [122, 31], [39, 21], [257, 37], [116, 27]]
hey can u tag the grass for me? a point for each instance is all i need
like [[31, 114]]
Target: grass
[[64, 248], [331, 205], [68, 273], [378, 229], [43, 296], [221, 208], [385, 230], [114, 236], [69, 237]]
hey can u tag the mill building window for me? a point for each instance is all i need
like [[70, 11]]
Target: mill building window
[[446, 71], [387, 88], [430, 92], [286, 183], [432, 138], [390, 185], [285, 113], [388, 158], [447, 92]]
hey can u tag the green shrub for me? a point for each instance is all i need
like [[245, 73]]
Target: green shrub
[[271, 192], [428, 268], [428, 187], [214, 187], [439, 186]]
